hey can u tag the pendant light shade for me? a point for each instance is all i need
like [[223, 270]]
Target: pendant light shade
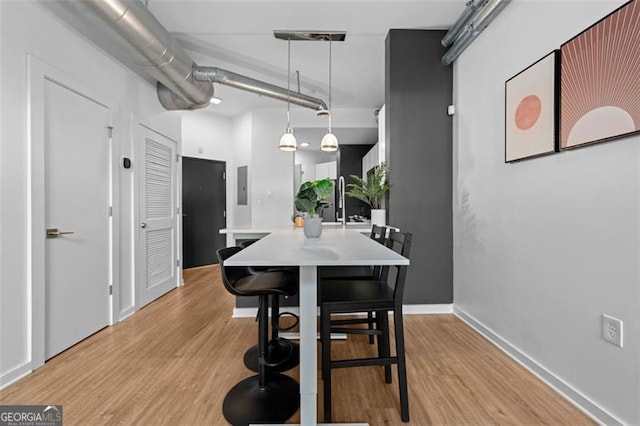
[[329, 141], [288, 141]]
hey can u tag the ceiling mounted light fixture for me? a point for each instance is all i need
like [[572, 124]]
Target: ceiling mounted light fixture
[[306, 35], [216, 101], [288, 141], [329, 141]]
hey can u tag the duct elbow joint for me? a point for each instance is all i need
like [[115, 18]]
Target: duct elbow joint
[[174, 102]]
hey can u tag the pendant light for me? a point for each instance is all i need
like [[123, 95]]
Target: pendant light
[[329, 141], [288, 141]]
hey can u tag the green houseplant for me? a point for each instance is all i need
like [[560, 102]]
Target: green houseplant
[[312, 197], [371, 190]]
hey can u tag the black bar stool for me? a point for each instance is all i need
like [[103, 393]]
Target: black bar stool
[[282, 353], [268, 397]]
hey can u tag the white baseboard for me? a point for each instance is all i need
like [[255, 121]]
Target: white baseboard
[[445, 308], [583, 403], [14, 375], [126, 313], [406, 309]]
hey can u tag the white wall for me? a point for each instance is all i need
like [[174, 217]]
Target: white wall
[[209, 132], [543, 247], [271, 170], [242, 134], [27, 28]]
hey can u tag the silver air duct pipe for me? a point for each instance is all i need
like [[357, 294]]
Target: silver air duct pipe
[[473, 7], [150, 46], [228, 78], [483, 18], [136, 38]]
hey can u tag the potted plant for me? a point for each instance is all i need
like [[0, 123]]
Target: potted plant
[[312, 197], [371, 191]]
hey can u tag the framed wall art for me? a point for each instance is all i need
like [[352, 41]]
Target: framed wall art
[[600, 80], [531, 113]]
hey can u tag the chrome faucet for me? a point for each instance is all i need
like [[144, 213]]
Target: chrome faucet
[[341, 203]]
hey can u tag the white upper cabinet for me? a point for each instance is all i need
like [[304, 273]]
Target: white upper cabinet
[[370, 160], [327, 170]]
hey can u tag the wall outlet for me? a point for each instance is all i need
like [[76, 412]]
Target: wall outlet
[[612, 330]]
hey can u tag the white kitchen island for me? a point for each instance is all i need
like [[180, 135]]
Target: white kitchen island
[[335, 247]]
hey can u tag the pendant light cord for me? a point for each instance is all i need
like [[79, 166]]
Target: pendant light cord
[[288, 83], [330, 110]]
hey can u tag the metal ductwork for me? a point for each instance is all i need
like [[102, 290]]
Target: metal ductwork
[[480, 14], [149, 46], [135, 37], [228, 78], [472, 9]]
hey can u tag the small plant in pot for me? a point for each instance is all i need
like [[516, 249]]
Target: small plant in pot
[[312, 197], [371, 191]]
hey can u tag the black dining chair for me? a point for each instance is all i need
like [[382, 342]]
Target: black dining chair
[[268, 397], [364, 272], [381, 296]]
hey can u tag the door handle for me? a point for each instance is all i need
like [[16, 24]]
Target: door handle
[[54, 233], [143, 225]]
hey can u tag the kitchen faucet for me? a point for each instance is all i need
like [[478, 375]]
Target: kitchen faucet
[[341, 203]]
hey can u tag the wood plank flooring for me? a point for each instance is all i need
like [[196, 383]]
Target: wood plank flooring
[[172, 362]]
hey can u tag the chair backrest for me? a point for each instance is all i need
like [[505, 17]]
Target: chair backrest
[[247, 243], [231, 274], [400, 242], [379, 234]]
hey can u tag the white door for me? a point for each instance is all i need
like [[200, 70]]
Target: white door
[[158, 219], [77, 199]]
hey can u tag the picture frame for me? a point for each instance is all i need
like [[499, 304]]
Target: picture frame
[[531, 110], [599, 85]]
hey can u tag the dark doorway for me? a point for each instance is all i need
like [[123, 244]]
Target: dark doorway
[[204, 200]]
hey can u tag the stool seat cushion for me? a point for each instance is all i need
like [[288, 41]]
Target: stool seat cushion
[[277, 283]]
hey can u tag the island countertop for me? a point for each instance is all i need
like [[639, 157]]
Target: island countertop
[[259, 230], [278, 226]]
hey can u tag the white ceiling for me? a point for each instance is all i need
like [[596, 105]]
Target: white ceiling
[[237, 35]]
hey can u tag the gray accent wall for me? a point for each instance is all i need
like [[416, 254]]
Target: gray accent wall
[[418, 89]]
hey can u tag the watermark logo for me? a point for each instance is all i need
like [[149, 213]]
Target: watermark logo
[[30, 415]]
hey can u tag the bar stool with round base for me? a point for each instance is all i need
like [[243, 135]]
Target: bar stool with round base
[[282, 354], [268, 397]]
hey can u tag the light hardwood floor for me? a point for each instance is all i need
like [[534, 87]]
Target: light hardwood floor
[[173, 361]]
